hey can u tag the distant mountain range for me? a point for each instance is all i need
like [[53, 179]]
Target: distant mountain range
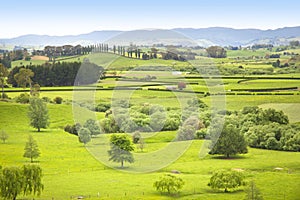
[[179, 36]]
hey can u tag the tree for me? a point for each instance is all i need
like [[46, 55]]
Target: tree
[[253, 192], [136, 136], [229, 142], [32, 179], [168, 183], [216, 52], [188, 130], [38, 113], [11, 183], [31, 149], [23, 77], [294, 43], [73, 129], [121, 148], [93, 127], [181, 85], [84, 135], [3, 75], [15, 180], [3, 136], [141, 144], [157, 120], [58, 100], [186, 133], [276, 64], [272, 115], [36, 90], [226, 179]]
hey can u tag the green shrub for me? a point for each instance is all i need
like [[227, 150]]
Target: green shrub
[[46, 99], [202, 134], [102, 107], [136, 137], [168, 183], [23, 98], [58, 100], [73, 129], [225, 179]]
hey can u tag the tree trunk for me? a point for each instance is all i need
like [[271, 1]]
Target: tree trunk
[[225, 190], [39, 129], [2, 91], [122, 164], [227, 155], [30, 88]]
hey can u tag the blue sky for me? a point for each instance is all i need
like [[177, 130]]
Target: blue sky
[[66, 17]]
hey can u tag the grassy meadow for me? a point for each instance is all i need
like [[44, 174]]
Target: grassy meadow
[[72, 170]]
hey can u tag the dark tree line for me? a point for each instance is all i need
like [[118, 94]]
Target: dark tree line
[[6, 60], [61, 74], [261, 46], [100, 48]]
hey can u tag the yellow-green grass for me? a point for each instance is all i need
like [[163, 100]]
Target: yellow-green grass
[[25, 63], [247, 53], [112, 61], [169, 99], [78, 58], [237, 102], [292, 50], [264, 84], [40, 62], [69, 170]]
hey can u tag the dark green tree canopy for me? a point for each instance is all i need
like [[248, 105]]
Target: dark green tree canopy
[[60, 73], [229, 142]]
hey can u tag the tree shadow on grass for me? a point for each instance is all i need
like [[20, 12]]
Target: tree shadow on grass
[[41, 131], [221, 191], [33, 162], [222, 157]]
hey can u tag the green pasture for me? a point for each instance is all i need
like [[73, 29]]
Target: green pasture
[[116, 62], [71, 171], [247, 53], [25, 63]]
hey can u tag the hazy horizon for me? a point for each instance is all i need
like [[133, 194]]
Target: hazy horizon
[[148, 29], [57, 18]]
